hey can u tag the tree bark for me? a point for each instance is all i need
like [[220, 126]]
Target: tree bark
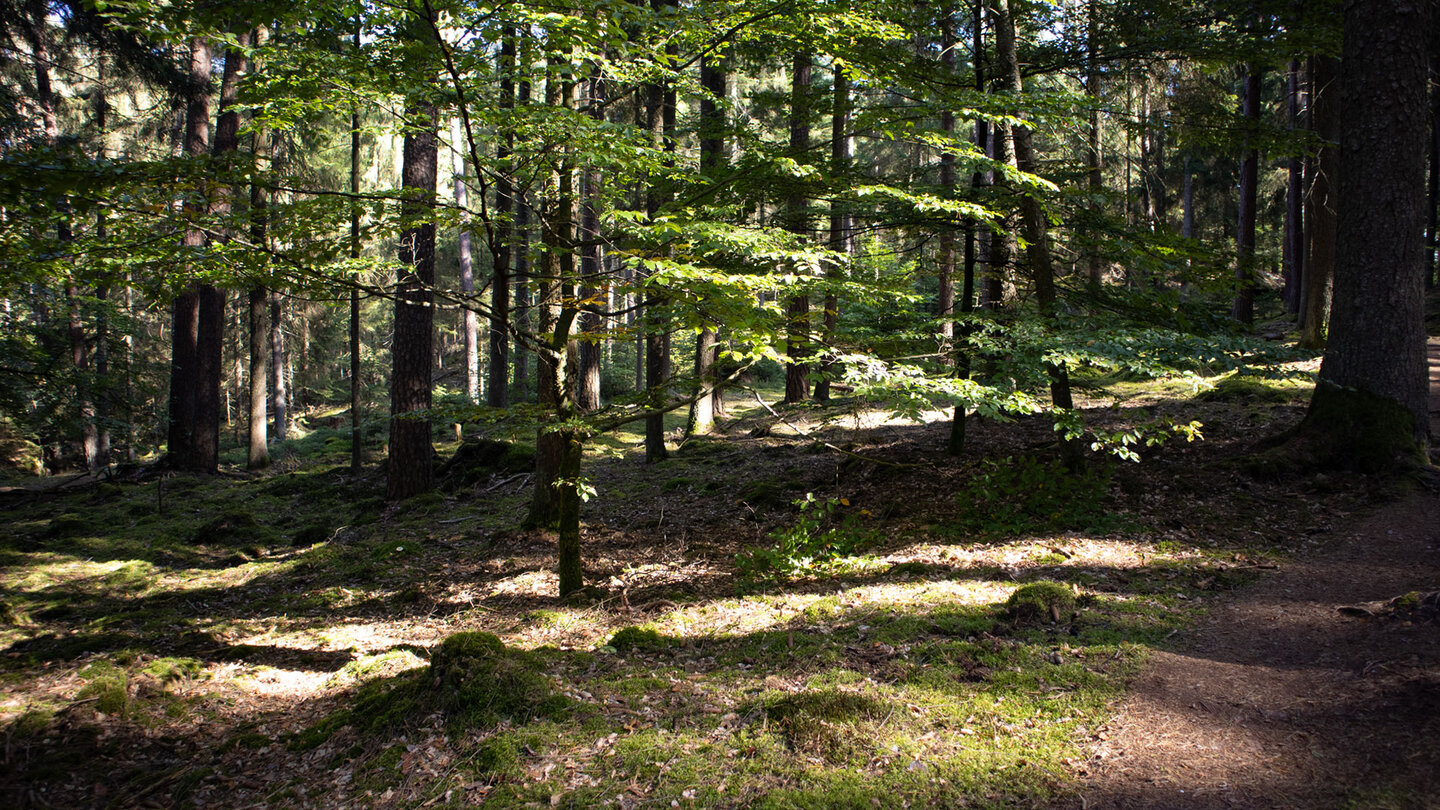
[[711, 130], [588, 390], [955, 444], [503, 249], [469, 326], [1321, 208], [410, 471], [1293, 248], [797, 221], [1370, 408], [1243, 309], [194, 432], [842, 152], [1035, 224], [357, 435]]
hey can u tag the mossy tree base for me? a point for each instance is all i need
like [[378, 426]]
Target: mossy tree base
[[1348, 429]]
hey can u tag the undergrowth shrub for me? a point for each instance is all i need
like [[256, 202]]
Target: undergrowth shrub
[[818, 542]]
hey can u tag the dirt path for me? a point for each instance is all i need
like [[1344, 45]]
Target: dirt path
[[1278, 700]]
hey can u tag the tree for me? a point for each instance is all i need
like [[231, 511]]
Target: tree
[[194, 434], [1370, 410], [409, 471]]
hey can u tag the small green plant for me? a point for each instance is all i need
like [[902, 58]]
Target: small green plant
[[816, 543], [1027, 495]]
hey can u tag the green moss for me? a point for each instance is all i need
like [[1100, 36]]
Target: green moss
[[29, 724], [477, 680], [66, 525], [1246, 388], [132, 577], [832, 723], [638, 638], [107, 686], [169, 670], [1043, 601], [1345, 429]]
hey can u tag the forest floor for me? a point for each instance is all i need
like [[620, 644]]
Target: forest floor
[[1277, 699], [278, 639]]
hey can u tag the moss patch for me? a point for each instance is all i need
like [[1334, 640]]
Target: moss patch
[[1039, 602]]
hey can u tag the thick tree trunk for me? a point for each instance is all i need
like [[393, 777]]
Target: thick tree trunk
[[1243, 309], [259, 452], [1370, 408], [409, 471], [194, 434], [797, 221], [1321, 209]]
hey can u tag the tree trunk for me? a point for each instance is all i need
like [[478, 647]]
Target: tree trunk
[[842, 151], [1293, 249], [1321, 209], [945, 299], [557, 357], [503, 249], [1370, 408], [470, 326], [797, 221], [1094, 156], [591, 327], [279, 396], [955, 445], [357, 432], [1432, 243], [258, 455], [711, 130], [660, 118], [194, 434], [1035, 224], [409, 471], [1244, 306]]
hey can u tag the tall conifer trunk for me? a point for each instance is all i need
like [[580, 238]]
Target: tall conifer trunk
[[194, 431], [409, 471], [1243, 309], [797, 221]]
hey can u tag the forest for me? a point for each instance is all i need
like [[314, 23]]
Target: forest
[[783, 403]]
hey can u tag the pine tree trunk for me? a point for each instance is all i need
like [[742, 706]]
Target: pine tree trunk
[[409, 471], [797, 221], [357, 434], [842, 151], [1035, 224], [711, 130], [1370, 407], [194, 434], [1321, 210], [503, 249], [469, 325], [1243, 309], [588, 391]]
